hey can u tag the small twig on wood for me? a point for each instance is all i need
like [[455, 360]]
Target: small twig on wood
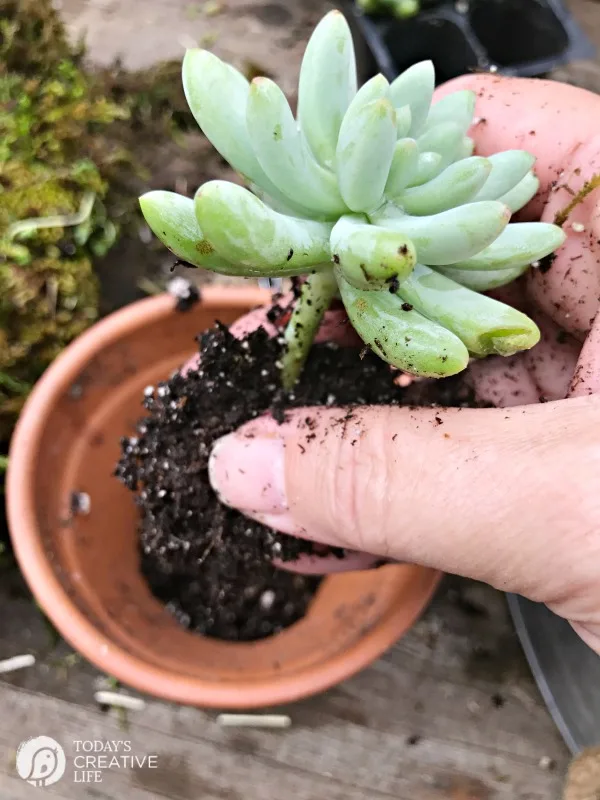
[[118, 700], [254, 720], [16, 662]]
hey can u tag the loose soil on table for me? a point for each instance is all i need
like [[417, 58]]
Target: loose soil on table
[[209, 564]]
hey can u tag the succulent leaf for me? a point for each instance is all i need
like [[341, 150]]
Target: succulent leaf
[[375, 88], [456, 185], [485, 326], [244, 230], [466, 148], [404, 167], [445, 139], [206, 82], [172, 219], [450, 236], [428, 166], [519, 244], [370, 257], [508, 170], [414, 87], [483, 281], [403, 121], [364, 154], [283, 205], [402, 336], [522, 193], [327, 85], [283, 154], [457, 107]]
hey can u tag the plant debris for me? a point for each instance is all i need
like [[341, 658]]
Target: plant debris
[[561, 216]]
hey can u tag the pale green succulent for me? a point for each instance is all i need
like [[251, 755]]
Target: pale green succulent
[[375, 194]]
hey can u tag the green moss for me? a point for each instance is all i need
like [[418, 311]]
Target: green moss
[[56, 153], [154, 98], [66, 134]]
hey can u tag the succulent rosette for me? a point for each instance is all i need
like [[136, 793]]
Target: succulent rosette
[[374, 194]]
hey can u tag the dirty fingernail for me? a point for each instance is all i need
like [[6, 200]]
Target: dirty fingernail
[[247, 471]]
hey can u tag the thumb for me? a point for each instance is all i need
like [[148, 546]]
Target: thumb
[[501, 495]]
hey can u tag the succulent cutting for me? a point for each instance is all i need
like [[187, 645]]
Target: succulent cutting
[[374, 194]]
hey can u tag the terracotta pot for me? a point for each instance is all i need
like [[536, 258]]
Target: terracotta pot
[[84, 571]]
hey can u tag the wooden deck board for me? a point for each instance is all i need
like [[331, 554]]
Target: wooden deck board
[[451, 712]]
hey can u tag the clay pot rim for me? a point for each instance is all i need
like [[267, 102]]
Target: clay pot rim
[[72, 623]]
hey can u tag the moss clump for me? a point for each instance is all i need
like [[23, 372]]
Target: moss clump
[[58, 163], [154, 98]]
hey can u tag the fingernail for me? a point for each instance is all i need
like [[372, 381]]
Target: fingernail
[[247, 471]]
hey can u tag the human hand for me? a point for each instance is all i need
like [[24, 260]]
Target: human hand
[[505, 495]]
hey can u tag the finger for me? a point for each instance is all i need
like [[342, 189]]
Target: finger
[[315, 564], [335, 327], [569, 289], [504, 382], [398, 483], [586, 379], [547, 118], [552, 362], [558, 123], [541, 374]]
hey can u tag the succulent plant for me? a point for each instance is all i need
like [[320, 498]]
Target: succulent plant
[[373, 193]]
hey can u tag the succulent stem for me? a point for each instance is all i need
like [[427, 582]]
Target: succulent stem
[[315, 296]]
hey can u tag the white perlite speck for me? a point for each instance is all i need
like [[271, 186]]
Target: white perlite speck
[[180, 288], [83, 503], [267, 599], [17, 662]]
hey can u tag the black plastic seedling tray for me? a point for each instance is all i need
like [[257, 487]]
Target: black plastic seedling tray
[[515, 37]]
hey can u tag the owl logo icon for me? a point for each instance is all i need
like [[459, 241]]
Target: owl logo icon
[[41, 761]]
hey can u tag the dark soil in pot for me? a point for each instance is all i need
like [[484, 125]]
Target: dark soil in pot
[[209, 564]]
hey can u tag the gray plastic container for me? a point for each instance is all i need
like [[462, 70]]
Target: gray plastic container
[[516, 37]]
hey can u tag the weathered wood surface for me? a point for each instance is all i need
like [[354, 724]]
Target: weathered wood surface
[[450, 713]]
